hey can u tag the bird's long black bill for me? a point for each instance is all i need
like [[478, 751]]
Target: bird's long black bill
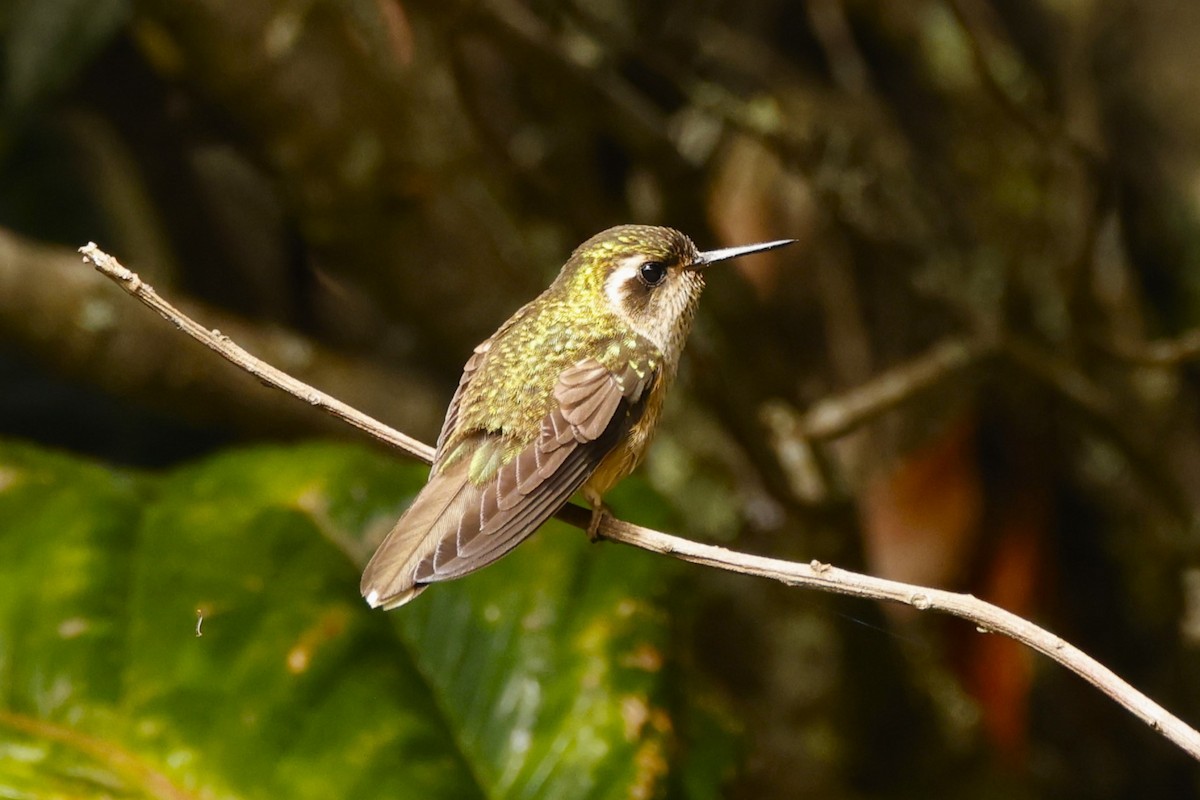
[[726, 253]]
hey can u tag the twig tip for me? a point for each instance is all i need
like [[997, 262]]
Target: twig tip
[[109, 266]]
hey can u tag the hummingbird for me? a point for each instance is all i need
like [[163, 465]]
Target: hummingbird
[[563, 398]]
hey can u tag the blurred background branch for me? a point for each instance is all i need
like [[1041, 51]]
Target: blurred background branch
[[77, 325]]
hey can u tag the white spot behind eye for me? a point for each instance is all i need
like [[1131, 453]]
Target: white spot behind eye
[[624, 280], [616, 287]]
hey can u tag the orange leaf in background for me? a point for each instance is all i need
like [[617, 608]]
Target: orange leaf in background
[[398, 29], [925, 523], [754, 198], [997, 670], [921, 521]]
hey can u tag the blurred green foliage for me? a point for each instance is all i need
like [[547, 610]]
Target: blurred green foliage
[[199, 634]]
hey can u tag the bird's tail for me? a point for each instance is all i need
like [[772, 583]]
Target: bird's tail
[[389, 579]]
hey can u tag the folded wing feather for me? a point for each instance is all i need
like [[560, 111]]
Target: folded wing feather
[[455, 527]]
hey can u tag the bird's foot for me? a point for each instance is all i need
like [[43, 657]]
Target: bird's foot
[[599, 513]]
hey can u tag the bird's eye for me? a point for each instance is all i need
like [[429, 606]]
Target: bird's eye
[[652, 273]]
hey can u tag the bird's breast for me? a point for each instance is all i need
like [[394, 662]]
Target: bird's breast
[[629, 452]]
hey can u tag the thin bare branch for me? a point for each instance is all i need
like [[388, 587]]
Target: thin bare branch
[[838, 415], [1101, 409], [987, 617], [1048, 132], [1160, 352], [225, 347]]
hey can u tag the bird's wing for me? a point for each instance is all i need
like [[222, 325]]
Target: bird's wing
[[456, 526], [472, 366]]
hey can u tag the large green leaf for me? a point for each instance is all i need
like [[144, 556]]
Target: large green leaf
[[541, 676]]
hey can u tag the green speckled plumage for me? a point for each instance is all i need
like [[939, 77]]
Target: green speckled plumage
[[510, 393], [562, 398], [511, 387]]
